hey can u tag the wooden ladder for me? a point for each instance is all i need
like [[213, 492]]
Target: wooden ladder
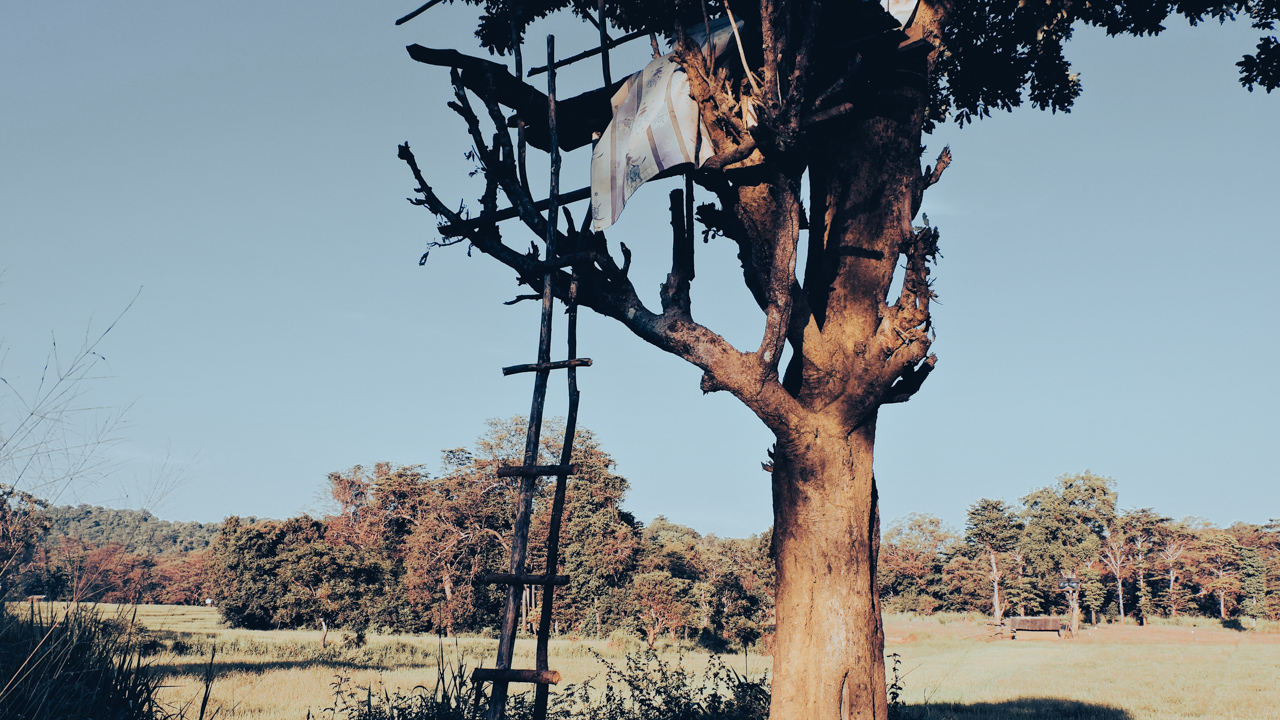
[[516, 579]]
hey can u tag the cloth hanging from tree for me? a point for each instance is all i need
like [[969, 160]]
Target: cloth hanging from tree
[[656, 125], [902, 10]]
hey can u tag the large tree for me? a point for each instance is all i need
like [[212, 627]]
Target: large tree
[[835, 93], [993, 528], [1066, 525]]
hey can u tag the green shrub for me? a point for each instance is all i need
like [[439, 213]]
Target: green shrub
[[625, 641]]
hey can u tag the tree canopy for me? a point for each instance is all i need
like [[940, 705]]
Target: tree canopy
[[996, 55]]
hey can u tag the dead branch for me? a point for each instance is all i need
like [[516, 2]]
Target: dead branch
[[675, 291], [580, 116], [910, 381], [928, 178], [932, 176]]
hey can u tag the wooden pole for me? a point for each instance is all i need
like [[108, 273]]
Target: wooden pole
[[557, 504], [533, 435], [688, 218], [604, 45], [566, 451]]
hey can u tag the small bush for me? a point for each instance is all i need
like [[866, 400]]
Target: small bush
[[645, 687], [625, 642], [712, 642], [354, 640]]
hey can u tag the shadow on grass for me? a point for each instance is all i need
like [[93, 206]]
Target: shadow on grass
[[1021, 709], [223, 668]]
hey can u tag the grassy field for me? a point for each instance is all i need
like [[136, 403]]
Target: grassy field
[[951, 667]]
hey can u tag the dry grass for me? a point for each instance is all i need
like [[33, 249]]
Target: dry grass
[[1199, 670], [952, 666]]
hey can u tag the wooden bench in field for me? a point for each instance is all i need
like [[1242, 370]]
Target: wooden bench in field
[[1035, 624]]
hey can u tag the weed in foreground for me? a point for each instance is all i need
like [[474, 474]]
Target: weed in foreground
[[644, 687], [75, 664]]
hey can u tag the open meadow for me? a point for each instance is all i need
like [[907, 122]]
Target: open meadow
[[951, 666]]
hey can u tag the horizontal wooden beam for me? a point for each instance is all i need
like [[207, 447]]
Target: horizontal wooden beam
[[540, 367], [537, 470], [510, 579], [590, 53], [538, 677], [456, 229], [427, 6]]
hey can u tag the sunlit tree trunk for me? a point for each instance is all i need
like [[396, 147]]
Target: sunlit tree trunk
[[447, 581], [996, 613], [1120, 598], [829, 648]]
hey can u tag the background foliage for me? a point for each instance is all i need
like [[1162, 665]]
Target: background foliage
[[401, 549]]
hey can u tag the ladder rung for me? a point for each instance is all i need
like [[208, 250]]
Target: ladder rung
[[538, 677], [537, 470], [509, 579], [537, 367]]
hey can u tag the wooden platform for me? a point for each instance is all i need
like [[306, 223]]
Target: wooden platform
[[1035, 624]]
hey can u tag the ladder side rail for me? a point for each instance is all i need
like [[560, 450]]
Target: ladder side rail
[[524, 511], [557, 504]]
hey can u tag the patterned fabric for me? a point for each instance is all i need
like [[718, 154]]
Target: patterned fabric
[[902, 10], [655, 126]]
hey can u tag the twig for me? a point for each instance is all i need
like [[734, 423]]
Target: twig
[[742, 54]]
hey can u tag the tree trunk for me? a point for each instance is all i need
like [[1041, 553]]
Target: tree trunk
[[829, 647], [995, 590], [1120, 598], [448, 599], [324, 632], [1173, 601], [1222, 604]]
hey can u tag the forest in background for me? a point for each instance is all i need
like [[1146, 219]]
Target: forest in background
[[402, 549]]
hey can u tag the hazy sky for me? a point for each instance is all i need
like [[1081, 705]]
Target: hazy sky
[[1106, 291]]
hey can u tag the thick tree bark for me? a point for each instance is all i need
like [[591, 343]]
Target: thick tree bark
[[829, 648]]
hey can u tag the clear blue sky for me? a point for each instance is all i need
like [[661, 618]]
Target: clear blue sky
[[1106, 288]]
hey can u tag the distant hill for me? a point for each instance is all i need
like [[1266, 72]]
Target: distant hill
[[137, 530]]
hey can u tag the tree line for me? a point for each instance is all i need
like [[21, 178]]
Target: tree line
[[1068, 549], [404, 549], [89, 553]]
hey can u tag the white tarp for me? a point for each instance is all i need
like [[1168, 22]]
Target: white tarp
[[901, 10], [656, 125]]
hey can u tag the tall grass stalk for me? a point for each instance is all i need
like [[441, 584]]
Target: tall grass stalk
[[75, 664]]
